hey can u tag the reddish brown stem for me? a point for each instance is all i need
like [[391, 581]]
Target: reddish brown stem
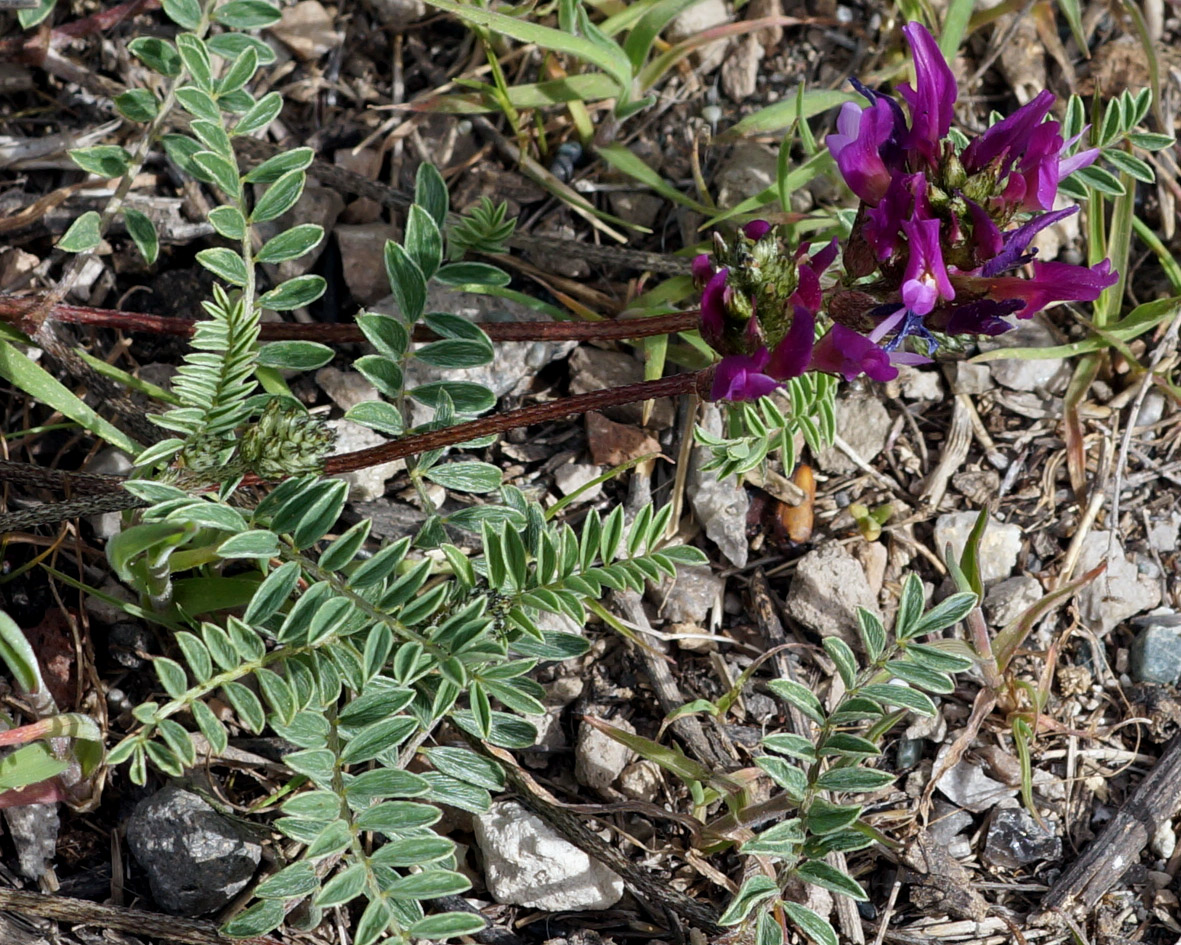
[[697, 382], [615, 330]]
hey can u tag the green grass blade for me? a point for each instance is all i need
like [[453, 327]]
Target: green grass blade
[[614, 62], [625, 161], [784, 114], [24, 373]]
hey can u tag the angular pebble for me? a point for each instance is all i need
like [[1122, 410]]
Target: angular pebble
[[527, 864], [195, 859]]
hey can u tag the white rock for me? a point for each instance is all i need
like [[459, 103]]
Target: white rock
[[694, 21], [690, 596], [1009, 599], [720, 506], [573, 476], [1162, 533], [920, 384], [367, 484], [598, 758], [640, 780], [346, 389], [1117, 594], [827, 588], [1164, 841], [740, 69], [527, 864], [1027, 375], [969, 787], [109, 462], [999, 546]]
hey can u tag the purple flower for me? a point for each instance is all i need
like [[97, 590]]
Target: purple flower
[[933, 96], [741, 377], [857, 148], [702, 269], [1009, 136], [1052, 282], [756, 229], [845, 352], [793, 354], [1012, 252], [883, 223], [926, 281], [982, 317], [713, 309], [986, 235]]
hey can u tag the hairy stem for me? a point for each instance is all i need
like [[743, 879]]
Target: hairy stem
[[697, 382], [13, 308]]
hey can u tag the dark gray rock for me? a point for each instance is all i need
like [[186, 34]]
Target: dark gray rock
[[1015, 839], [195, 859], [1156, 651]]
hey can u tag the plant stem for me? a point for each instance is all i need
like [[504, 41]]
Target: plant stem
[[607, 330], [697, 382]]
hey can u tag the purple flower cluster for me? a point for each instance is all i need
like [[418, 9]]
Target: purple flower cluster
[[936, 246]]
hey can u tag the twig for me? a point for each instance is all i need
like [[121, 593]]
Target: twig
[[82, 911], [1155, 801]]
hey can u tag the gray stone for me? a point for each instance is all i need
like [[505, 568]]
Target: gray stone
[[598, 758], [362, 254], [947, 822], [346, 389], [526, 863], [1015, 839], [638, 208], [691, 595], [999, 545], [863, 423], [967, 786], [1162, 533], [594, 369], [1050, 374], [1009, 599], [826, 590], [749, 169], [720, 505], [34, 830], [971, 378], [1156, 652], [740, 69], [366, 484], [573, 476], [513, 362], [920, 383], [195, 859], [1117, 594], [398, 13]]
